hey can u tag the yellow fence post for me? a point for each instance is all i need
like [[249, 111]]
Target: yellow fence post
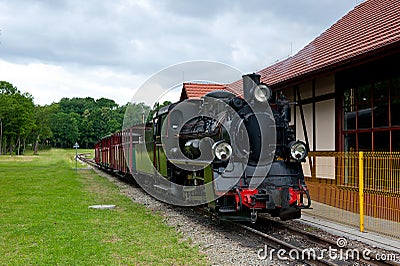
[[361, 188]]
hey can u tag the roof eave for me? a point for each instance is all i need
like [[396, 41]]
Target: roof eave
[[341, 65]]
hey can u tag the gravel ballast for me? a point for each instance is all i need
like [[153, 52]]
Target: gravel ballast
[[220, 245]]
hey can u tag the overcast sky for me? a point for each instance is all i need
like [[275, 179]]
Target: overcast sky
[[108, 48]]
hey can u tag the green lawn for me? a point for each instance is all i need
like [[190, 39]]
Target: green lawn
[[45, 219]]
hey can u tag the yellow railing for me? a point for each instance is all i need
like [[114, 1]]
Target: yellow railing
[[361, 189]]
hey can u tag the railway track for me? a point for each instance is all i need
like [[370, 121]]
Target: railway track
[[337, 249], [272, 245], [301, 247], [84, 158], [345, 249]]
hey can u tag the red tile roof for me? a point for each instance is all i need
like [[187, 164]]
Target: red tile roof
[[370, 26], [197, 90]]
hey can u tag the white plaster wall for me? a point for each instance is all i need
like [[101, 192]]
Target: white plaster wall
[[325, 125], [309, 124]]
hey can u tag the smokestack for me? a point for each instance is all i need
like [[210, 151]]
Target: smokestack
[[249, 82]]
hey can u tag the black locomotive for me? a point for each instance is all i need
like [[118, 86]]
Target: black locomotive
[[236, 154]]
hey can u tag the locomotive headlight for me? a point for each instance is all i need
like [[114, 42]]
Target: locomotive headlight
[[262, 93], [298, 150], [222, 150]]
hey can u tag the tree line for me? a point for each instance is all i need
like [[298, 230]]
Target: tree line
[[26, 126]]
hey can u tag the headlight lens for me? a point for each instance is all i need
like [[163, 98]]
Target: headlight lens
[[222, 150], [298, 150], [262, 93]]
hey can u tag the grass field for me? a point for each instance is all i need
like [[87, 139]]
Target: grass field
[[45, 219]]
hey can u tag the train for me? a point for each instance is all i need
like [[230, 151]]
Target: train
[[233, 153]]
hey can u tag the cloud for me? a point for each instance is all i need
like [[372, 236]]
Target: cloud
[[45, 81], [82, 42]]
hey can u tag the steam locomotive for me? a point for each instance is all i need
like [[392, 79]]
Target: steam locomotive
[[235, 154]]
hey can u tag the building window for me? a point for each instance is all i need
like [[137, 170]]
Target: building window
[[372, 116]]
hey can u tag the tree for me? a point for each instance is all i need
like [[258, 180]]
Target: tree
[[3, 111], [42, 132], [16, 114], [78, 119], [76, 105], [86, 129], [106, 103], [65, 129], [157, 106], [135, 114], [7, 88]]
